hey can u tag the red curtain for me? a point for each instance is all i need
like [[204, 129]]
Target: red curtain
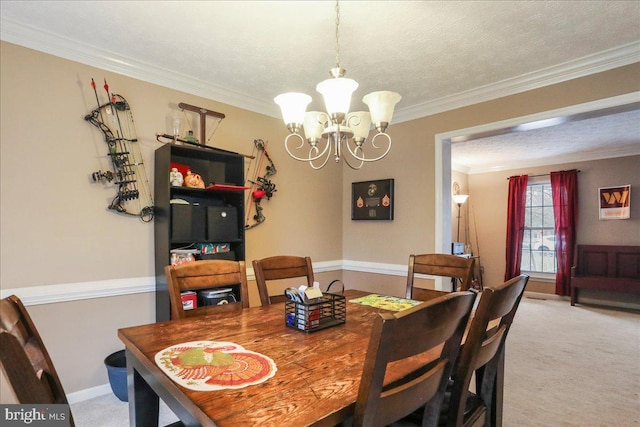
[[515, 224], [564, 188]]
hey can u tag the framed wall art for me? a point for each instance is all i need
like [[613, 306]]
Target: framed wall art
[[615, 202], [372, 200]]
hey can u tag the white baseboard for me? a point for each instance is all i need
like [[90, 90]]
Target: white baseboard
[[88, 393]]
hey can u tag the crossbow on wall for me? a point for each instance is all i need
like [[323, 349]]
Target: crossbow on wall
[[261, 186], [133, 191]]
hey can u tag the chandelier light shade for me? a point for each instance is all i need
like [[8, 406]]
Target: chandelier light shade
[[327, 133], [337, 94], [293, 106]]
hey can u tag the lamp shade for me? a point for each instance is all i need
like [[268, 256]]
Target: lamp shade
[[360, 123], [293, 106], [460, 198], [314, 124], [337, 94], [381, 105]]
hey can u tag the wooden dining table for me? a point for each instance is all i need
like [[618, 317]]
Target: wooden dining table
[[316, 382]]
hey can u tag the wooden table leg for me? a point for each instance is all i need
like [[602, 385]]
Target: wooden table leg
[[144, 404], [498, 392]]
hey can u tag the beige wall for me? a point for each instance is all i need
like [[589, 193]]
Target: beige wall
[[50, 205], [56, 228], [412, 163]]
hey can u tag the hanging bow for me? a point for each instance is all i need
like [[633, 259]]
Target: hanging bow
[[261, 185], [128, 168]]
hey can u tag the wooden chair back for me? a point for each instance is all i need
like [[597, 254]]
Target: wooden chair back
[[203, 275], [481, 353], [435, 326], [444, 265], [278, 268], [24, 358]]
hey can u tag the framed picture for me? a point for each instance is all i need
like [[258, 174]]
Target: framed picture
[[615, 202], [372, 200]]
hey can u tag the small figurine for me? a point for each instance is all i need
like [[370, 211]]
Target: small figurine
[[193, 180], [175, 177], [191, 138]]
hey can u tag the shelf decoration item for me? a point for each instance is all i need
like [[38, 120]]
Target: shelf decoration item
[[180, 256], [175, 177], [193, 180]]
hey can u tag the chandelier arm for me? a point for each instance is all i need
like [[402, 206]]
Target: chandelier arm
[[326, 159], [346, 160], [362, 158], [301, 159], [345, 141]]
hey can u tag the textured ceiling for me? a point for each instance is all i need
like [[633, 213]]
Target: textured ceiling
[[592, 138], [437, 54]]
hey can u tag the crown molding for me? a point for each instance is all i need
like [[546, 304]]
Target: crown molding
[[587, 65], [82, 52]]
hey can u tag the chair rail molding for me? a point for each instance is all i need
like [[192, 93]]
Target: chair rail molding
[[67, 292]]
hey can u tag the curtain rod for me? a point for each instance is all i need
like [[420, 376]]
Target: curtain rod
[[542, 174]]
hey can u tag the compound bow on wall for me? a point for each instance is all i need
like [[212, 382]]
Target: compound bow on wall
[[134, 194], [261, 186]]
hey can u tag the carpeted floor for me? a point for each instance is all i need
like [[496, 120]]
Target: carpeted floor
[[572, 366], [565, 367]]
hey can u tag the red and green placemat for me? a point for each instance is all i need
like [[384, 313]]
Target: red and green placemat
[[211, 365]]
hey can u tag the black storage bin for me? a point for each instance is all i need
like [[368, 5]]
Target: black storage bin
[[222, 223], [198, 223], [231, 255], [181, 222], [188, 223]]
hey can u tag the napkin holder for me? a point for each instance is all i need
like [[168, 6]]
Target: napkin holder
[[314, 314]]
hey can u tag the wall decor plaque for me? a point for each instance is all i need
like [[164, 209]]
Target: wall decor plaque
[[372, 200], [615, 202]]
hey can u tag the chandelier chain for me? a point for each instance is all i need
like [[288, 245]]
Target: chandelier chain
[[337, 34]]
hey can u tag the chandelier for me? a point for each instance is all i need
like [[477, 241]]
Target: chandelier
[[330, 132]]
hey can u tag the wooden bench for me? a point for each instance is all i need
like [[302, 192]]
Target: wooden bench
[[608, 268]]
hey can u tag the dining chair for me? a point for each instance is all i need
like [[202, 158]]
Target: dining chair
[[398, 342], [206, 275], [481, 355], [446, 265], [25, 360], [277, 268]]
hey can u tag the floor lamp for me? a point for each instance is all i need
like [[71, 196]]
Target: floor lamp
[[459, 200]]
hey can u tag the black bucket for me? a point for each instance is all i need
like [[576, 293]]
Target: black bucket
[[116, 364]]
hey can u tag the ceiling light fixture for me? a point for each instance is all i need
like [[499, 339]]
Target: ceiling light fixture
[[331, 131]]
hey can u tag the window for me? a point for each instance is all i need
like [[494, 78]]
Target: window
[[539, 241]]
